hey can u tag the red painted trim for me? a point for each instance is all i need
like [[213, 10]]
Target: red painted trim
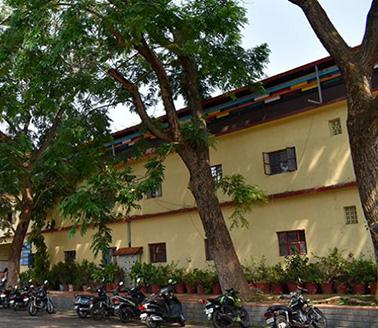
[[282, 195]]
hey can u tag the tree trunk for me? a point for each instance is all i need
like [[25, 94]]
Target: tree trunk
[[219, 240], [19, 236], [363, 138]]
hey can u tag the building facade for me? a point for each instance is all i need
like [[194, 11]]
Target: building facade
[[291, 141]]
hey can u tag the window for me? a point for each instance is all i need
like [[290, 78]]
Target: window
[[351, 215], [155, 192], [69, 256], [280, 161], [158, 253], [217, 172], [292, 242], [108, 257], [335, 127], [207, 251]]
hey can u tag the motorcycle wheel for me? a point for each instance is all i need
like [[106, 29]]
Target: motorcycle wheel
[[50, 308], [317, 318], [219, 322], [32, 309], [5, 305], [244, 318], [151, 324], [82, 314], [125, 314], [281, 322], [98, 313], [181, 320]]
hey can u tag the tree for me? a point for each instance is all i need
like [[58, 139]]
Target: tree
[[357, 68], [47, 123], [155, 51]]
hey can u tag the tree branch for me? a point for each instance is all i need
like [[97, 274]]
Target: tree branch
[[326, 31], [165, 87], [139, 105], [49, 137], [369, 49]]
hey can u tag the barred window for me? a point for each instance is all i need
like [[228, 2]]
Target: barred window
[[158, 253], [155, 192], [292, 242], [351, 215], [217, 172], [69, 256], [335, 127]]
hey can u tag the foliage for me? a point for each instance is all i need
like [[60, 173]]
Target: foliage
[[295, 267], [26, 276], [41, 262], [362, 270], [257, 270], [243, 196], [277, 274], [333, 266]]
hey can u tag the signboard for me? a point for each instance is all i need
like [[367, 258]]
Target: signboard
[[26, 255]]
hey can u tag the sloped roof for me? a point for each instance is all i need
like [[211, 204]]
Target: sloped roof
[[128, 251]]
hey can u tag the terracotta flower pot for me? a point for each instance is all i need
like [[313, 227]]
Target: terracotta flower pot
[[200, 290], [155, 288], [277, 288], [311, 287], [190, 289], [341, 288], [292, 286], [143, 289], [263, 287], [358, 288], [180, 288], [373, 288], [326, 288], [216, 289]]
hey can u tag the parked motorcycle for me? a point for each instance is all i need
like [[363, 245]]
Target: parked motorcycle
[[163, 307], [19, 296], [39, 300], [299, 313], [95, 306], [127, 307], [4, 293], [226, 310]]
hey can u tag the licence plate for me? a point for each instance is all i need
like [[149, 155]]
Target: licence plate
[[269, 321], [143, 316]]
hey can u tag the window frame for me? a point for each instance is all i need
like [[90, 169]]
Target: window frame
[[68, 257], [217, 172], [285, 249], [154, 256], [291, 161], [155, 193], [350, 219], [332, 123]]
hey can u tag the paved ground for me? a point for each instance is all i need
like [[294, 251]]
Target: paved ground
[[21, 319]]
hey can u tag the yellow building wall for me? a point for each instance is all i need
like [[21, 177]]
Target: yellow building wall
[[322, 159]]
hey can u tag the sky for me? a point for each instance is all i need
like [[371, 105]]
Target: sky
[[290, 38]]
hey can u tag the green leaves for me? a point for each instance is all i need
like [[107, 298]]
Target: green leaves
[[243, 196]]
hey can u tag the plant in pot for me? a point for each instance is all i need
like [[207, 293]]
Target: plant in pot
[[295, 267], [112, 274], [331, 266], [214, 281], [190, 281], [277, 278], [361, 271], [158, 279], [85, 278], [262, 276], [312, 278], [204, 283], [177, 275]]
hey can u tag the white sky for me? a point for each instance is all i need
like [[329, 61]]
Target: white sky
[[290, 38]]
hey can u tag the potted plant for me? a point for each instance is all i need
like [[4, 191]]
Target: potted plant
[[214, 282], [157, 279], [178, 276], [361, 271], [190, 281], [295, 267], [203, 278], [312, 278], [262, 276], [277, 278]]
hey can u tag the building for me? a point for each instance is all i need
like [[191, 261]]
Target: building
[[291, 141]]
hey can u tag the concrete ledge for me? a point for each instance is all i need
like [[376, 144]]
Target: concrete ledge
[[337, 316]]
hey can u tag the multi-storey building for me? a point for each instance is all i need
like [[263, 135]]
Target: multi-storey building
[[290, 140]]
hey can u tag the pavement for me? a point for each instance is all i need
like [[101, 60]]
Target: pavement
[[21, 319]]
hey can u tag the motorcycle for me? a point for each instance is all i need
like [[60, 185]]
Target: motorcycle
[[4, 294], [299, 313], [127, 308], [95, 306], [19, 296], [226, 310], [39, 300], [163, 307]]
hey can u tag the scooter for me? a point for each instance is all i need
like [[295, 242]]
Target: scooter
[[163, 307], [20, 295], [4, 293]]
